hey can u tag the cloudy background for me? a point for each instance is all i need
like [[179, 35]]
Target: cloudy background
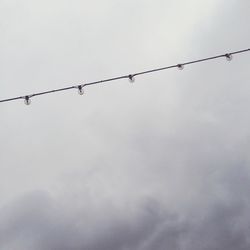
[[159, 164]]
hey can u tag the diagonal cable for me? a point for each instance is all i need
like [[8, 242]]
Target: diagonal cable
[[131, 77]]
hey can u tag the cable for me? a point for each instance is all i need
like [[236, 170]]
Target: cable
[[131, 77]]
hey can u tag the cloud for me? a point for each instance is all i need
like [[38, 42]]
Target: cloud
[[160, 164], [39, 221]]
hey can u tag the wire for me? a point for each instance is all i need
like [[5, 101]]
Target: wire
[[131, 77]]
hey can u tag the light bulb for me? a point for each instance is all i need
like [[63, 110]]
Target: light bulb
[[131, 78], [27, 100], [229, 57], [180, 66], [80, 90]]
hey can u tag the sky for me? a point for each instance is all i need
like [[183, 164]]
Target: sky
[[158, 164]]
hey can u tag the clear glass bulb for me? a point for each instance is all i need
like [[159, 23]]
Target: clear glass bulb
[[180, 66], [229, 57], [80, 90], [27, 100], [131, 78]]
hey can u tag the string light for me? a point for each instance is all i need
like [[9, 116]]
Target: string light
[[229, 57], [27, 100], [80, 90], [131, 77], [180, 66]]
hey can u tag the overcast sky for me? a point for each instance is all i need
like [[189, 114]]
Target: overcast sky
[[160, 164]]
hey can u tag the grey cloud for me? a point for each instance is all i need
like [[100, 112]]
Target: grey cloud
[[37, 221], [160, 164]]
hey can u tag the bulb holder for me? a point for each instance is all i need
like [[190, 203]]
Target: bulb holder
[[229, 57], [180, 66], [27, 100], [80, 90], [131, 78]]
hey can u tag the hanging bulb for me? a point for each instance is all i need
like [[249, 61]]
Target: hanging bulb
[[229, 57], [131, 78], [80, 90], [180, 66], [27, 100]]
